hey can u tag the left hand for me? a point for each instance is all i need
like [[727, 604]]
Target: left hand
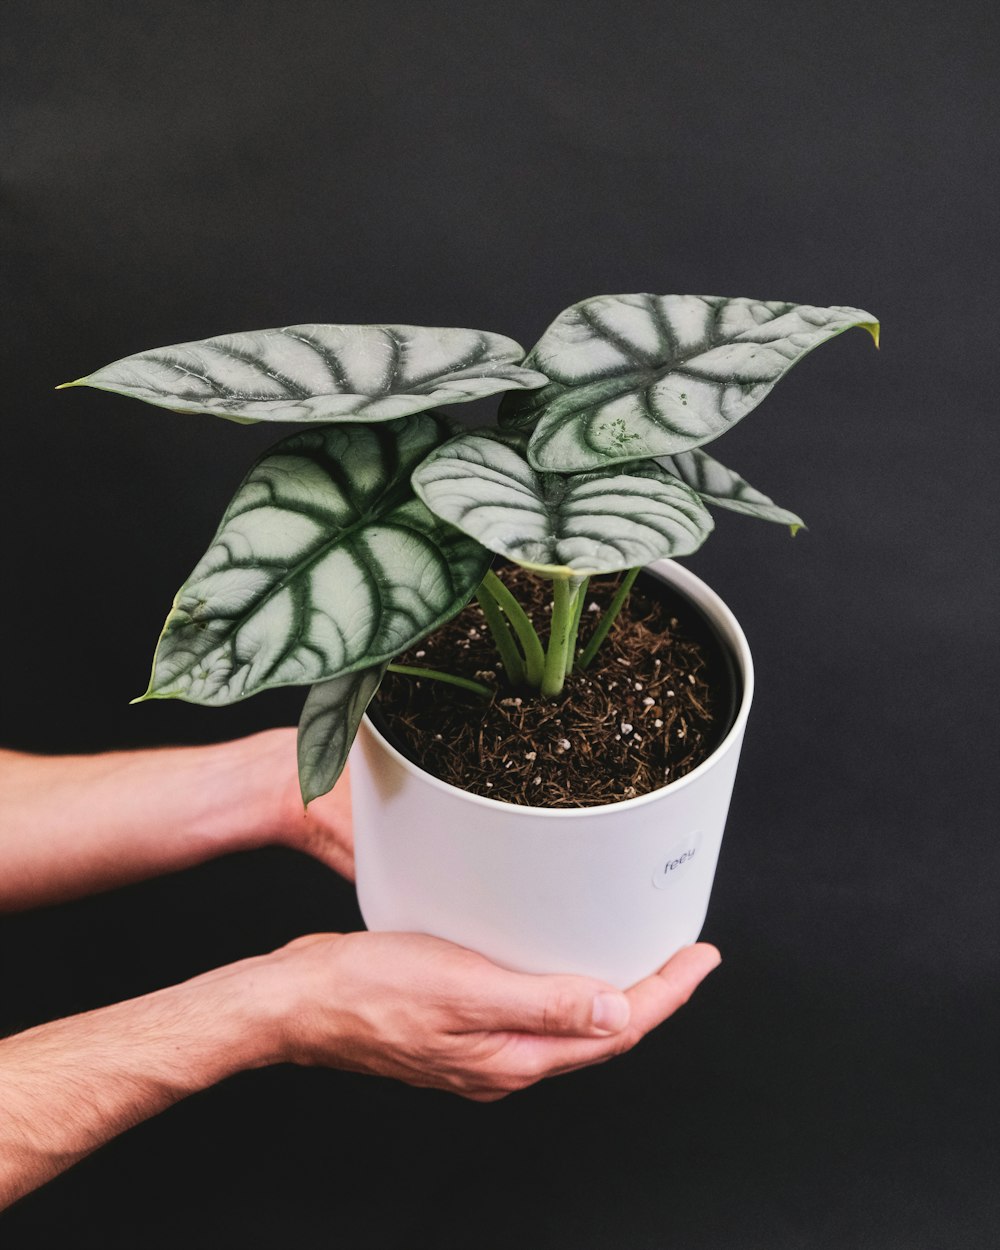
[[432, 1014], [322, 830]]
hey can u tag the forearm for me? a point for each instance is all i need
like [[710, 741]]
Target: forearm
[[69, 1086], [394, 1004], [73, 825]]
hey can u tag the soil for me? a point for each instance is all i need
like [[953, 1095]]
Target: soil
[[653, 704]]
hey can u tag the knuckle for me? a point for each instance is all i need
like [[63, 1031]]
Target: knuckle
[[560, 1010], [481, 1053]]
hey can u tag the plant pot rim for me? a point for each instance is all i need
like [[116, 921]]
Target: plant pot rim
[[731, 636]]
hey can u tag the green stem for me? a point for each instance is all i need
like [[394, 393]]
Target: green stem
[[534, 653], [581, 594], [608, 619], [562, 624], [510, 657], [465, 683]]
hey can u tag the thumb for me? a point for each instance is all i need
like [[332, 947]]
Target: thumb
[[566, 1006]]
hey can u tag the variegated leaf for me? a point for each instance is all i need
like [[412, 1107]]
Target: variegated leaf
[[321, 372], [328, 725], [577, 524], [634, 376], [324, 563], [721, 486]]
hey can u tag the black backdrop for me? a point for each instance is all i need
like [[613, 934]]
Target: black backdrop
[[173, 171]]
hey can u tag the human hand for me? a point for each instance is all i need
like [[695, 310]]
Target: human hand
[[269, 784], [430, 1013], [324, 829]]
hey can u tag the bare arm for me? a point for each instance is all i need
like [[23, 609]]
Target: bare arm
[[69, 1086], [400, 1005], [73, 825]]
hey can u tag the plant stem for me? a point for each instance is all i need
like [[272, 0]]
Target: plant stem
[[608, 619], [534, 654], [510, 657], [465, 683], [563, 605], [581, 594]]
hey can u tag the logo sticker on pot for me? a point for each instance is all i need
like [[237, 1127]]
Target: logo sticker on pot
[[676, 860]]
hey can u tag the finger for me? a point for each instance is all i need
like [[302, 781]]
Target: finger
[[562, 1006], [651, 1000], [660, 995]]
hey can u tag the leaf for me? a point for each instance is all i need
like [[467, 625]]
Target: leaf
[[324, 563], [328, 725], [721, 486], [559, 525], [650, 375], [320, 372]]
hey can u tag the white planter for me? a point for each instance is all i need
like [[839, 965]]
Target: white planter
[[610, 891]]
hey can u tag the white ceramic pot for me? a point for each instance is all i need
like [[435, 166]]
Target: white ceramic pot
[[610, 891]]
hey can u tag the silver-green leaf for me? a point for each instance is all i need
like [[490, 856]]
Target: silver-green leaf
[[328, 725], [634, 376], [726, 489], [324, 563], [321, 372], [560, 525]]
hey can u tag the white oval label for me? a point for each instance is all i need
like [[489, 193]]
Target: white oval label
[[676, 860]]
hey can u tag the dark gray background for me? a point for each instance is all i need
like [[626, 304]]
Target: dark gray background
[[174, 171]]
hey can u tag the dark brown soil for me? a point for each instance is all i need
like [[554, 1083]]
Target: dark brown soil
[[644, 713]]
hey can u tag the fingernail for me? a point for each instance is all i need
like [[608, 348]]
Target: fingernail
[[610, 1013]]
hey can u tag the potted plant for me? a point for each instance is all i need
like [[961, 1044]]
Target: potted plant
[[358, 537]]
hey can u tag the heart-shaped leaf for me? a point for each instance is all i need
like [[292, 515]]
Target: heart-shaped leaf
[[721, 486], [327, 726], [324, 563], [321, 372], [560, 525], [634, 376]]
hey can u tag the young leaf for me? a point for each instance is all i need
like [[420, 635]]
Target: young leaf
[[324, 563], [321, 372], [328, 725], [579, 524], [721, 486], [634, 376]]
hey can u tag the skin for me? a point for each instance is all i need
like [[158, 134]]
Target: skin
[[406, 1006]]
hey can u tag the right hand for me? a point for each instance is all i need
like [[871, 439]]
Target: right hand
[[430, 1013]]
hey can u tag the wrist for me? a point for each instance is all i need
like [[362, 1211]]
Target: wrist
[[270, 811], [256, 790], [243, 1011], [293, 997]]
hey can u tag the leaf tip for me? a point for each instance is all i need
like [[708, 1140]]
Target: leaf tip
[[148, 695], [873, 328], [63, 386], [310, 792]]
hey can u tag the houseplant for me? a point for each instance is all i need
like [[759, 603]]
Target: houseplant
[[351, 540]]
